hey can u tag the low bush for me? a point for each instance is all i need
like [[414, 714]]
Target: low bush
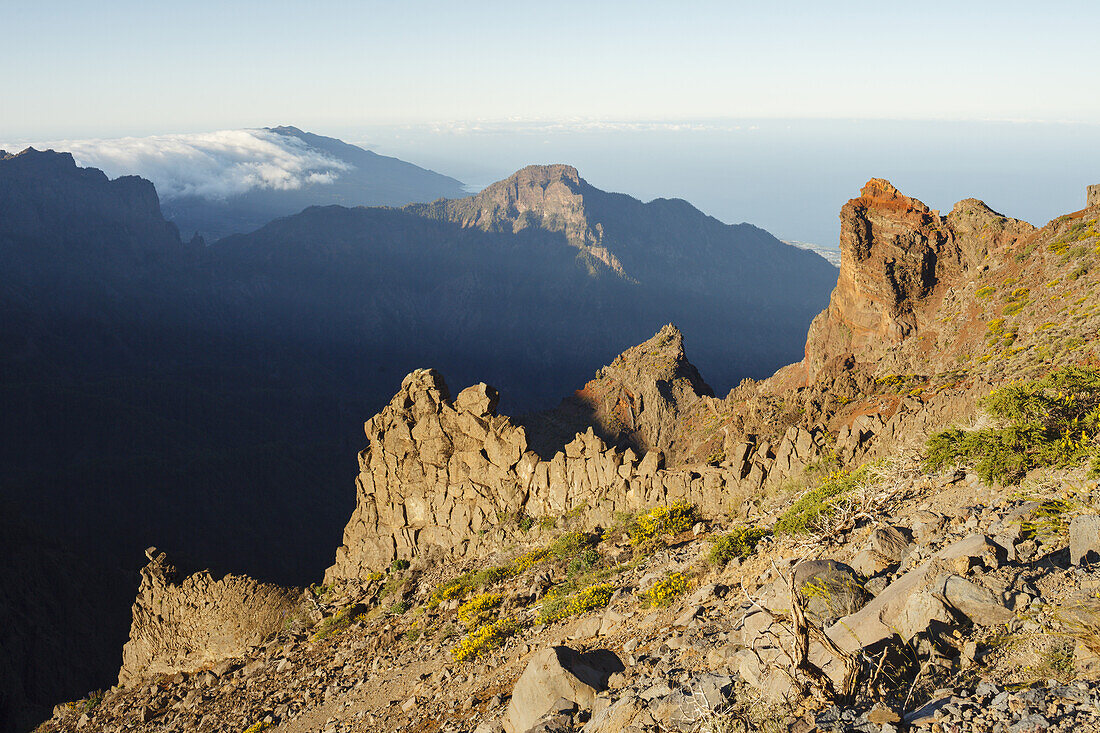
[[490, 575], [664, 592], [557, 607], [479, 610], [1054, 421], [582, 563], [449, 591], [1050, 520], [485, 638], [337, 622], [810, 508], [662, 520], [740, 543], [528, 560]]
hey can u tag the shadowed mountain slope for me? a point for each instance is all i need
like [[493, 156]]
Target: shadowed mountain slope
[[206, 399]]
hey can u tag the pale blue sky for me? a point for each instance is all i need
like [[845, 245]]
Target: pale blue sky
[[120, 67]]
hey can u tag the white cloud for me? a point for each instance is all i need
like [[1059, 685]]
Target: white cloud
[[212, 165]]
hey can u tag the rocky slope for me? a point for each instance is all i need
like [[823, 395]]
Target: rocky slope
[[758, 567]]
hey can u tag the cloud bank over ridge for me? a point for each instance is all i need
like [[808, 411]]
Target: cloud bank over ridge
[[210, 165]]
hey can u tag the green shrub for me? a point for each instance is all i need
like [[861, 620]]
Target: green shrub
[[399, 608], [93, 701], [739, 543], [807, 512], [582, 563], [570, 544], [398, 565], [1052, 421], [490, 576]]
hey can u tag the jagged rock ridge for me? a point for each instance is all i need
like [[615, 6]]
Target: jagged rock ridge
[[899, 259], [438, 475], [636, 401], [182, 623], [178, 381]]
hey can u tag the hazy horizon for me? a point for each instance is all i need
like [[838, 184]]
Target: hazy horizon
[[774, 115], [787, 176]]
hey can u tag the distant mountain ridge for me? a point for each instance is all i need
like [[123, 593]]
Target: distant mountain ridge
[[234, 181], [369, 179]]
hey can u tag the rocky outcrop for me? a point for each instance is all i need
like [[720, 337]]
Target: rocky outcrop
[[898, 260], [186, 623], [638, 401], [547, 196], [439, 476], [1092, 195]]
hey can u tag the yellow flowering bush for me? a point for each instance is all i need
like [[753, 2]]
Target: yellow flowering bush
[[529, 560], [664, 592], [661, 520], [486, 637], [558, 607], [478, 610]]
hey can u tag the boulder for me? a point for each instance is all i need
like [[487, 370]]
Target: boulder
[[883, 616], [554, 673], [1084, 539], [890, 542], [919, 613], [977, 603], [886, 546], [831, 589]]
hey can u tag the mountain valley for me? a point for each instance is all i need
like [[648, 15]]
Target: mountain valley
[[206, 396]]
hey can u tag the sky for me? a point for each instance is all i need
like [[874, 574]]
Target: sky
[[772, 113], [121, 67]]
